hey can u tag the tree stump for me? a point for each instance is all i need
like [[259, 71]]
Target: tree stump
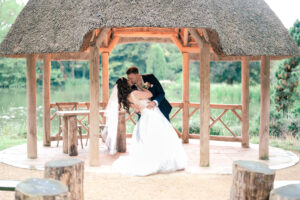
[[41, 189], [251, 180], [288, 192], [68, 171]]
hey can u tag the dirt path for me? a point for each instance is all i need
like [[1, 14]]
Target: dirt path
[[173, 186]]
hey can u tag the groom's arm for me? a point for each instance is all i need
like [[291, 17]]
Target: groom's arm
[[157, 90]]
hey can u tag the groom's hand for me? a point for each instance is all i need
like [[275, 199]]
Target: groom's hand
[[151, 105]]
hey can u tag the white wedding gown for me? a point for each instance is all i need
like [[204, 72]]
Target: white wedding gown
[[155, 146]]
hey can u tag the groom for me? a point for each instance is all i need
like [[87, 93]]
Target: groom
[[150, 81]]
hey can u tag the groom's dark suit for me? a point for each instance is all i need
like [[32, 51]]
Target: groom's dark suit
[[158, 94]]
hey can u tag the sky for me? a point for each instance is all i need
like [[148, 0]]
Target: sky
[[287, 10]]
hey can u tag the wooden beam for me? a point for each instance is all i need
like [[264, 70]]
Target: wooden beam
[[264, 108], [143, 39], [101, 37], [159, 34], [177, 43], [67, 56], [111, 45], [31, 106], [94, 106], [205, 104], [46, 91], [186, 37], [218, 138], [199, 39], [105, 76], [219, 106], [245, 102], [205, 35], [185, 97]]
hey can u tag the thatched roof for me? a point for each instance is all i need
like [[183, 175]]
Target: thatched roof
[[244, 27]]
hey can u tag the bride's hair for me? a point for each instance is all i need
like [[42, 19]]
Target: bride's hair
[[124, 90]]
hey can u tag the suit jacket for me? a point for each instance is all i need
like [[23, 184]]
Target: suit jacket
[[158, 94]]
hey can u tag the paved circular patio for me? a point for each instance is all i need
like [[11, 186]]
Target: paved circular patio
[[222, 154]]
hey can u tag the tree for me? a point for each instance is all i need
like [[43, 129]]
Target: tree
[[9, 10], [287, 78], [124, 56], [156, 61]]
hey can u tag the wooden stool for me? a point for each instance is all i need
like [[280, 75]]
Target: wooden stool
[[251, 180], [68, 171], [288, 192], [36, 189]]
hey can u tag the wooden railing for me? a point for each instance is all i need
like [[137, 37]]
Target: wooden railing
[[177, 107]]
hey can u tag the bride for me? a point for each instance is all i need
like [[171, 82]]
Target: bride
[[155, 146]]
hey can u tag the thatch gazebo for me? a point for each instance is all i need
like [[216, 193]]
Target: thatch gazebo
[[215, 30]]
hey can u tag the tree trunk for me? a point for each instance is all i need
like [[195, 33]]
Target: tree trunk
[[251, 180], [37, 189], [62, 69], [288, 192], [70, 172]]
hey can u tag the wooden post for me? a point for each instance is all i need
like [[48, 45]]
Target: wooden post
[[245, 102], [105, 77], [94, 106], [31, 106], [185, 97], [65, 134], [204, 105], [251, 180], [264, 108], [70, 172], [46, 90], [121, 134], [37, 189], [72, 135]]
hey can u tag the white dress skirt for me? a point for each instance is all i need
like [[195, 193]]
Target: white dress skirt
[[155, 146]]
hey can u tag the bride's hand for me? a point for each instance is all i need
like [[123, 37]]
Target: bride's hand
[[151, 105]]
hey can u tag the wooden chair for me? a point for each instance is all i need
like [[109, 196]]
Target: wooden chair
[[101, 125], [62, 106]]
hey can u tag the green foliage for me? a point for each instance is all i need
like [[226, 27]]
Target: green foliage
[[126, 55], [287, 76], [295, 32], [12, 72], [156, 61], [287, 82], [9, 10], [230, 72]]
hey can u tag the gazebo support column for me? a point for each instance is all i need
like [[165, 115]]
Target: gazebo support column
[[185, 98], [94, 96], [105, 76], [94, 106], [264, 108], [46, 90], [245, 102], [204, 105], [31, 106]]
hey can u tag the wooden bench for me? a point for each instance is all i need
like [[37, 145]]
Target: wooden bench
[[8, 185]]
